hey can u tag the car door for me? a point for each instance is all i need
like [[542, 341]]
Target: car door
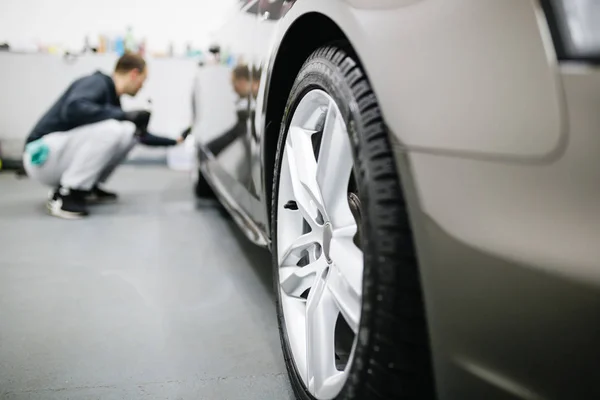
[[223, 102]]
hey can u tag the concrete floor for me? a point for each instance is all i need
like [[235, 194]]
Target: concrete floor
[[157, 297]]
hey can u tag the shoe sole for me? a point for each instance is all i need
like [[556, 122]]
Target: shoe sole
[[92, 200], [55, 210]]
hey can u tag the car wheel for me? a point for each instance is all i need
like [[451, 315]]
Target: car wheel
[[349, 301]]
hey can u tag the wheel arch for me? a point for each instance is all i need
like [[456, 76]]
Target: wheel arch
[[298, 43]]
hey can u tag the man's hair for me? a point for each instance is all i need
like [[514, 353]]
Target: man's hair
[[241, 72], [129, 62]]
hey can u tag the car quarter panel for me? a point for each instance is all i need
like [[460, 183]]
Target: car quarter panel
[[509, 254]]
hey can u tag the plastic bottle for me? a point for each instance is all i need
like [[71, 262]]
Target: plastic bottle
[[119, 46], [102, 44], [86, 45], [142, 48], [130, 41]]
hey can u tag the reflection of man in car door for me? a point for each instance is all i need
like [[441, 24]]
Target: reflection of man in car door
[[256, 72], [240, 80]]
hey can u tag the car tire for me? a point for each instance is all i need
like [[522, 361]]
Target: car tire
[[392, 358]]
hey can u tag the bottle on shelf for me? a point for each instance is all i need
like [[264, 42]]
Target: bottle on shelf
[[119, 46], [142, 48], [130, 46]]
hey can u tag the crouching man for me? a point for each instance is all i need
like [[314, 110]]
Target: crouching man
[[85, 135]]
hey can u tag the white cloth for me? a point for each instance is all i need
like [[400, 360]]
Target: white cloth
[[84, 156]]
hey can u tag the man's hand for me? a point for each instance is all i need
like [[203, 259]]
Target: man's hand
[[184, 135], [140, 118]]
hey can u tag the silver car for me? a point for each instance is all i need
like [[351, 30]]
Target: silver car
[[426, 174]]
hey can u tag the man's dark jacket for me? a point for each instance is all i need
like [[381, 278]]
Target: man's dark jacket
[[88, 100]]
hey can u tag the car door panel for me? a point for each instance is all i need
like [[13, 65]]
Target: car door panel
[[222, 118]]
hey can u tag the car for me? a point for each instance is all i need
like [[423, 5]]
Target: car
[[426, 175]]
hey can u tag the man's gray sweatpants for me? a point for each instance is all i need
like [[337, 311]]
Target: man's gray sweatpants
[[84, 156]]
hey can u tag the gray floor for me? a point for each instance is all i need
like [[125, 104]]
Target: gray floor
[[157, 297]]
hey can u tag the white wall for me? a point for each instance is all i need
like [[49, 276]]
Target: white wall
[[30, 83], [28, 22]]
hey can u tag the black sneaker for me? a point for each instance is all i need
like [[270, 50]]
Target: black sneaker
[[67, 204], [97, 195]]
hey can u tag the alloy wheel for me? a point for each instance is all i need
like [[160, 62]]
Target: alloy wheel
[[318, 245]]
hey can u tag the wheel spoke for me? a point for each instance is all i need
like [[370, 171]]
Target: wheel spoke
[[311, 112], [296, 280], [315, 120], [346, 255], [334, 168], [345, 281], [321, 317], [332, 385], [348, 301], [345, 232], [293, 253], [303, 171]]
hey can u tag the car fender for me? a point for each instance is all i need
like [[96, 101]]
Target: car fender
[[451, 77]]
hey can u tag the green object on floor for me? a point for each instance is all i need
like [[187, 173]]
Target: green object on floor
[[38, 152]]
